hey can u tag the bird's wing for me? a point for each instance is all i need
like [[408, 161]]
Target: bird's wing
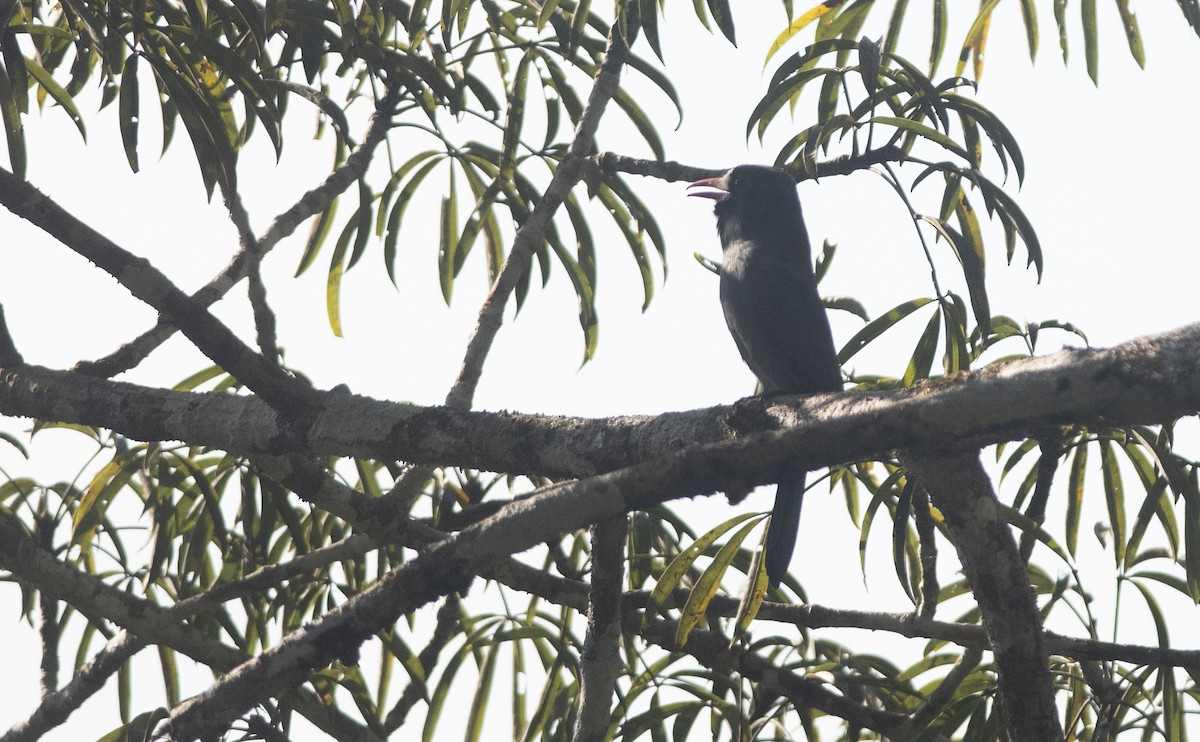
[[778, 322]]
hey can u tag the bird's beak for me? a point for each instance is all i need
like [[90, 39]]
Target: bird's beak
[[720, 193]]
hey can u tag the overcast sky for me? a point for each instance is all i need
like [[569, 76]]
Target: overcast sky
[[1110, 189]]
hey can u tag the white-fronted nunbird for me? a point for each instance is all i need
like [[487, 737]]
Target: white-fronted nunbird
[[769, 296]]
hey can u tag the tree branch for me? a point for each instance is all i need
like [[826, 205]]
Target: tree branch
[[712, 650], [1146, 381], [611, 162], [533, 231], [150, 285], [9, 355], [313, 202], [600, 662], [960, 488]]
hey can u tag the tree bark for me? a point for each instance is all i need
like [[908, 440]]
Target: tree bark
[[959, 487]]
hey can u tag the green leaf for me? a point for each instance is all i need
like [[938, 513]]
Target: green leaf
[[778, 95], [976, 39], [633, 237], [390, 229], [879, 326], [724, 18], [799, 24], [1029, 18], [1026, 524], [937, 45], [316, 237], [335, 113], [128, 110], [1132, 34], [922, 357], [206, 129], [58, 93], [901, 538], [1160, 622], [1075, 495], [1191, 534], [673, 575], [895, 23], [1002, 139], [921, 130], [881, 494], [1060, 20], [448, 240], [107, 482], [709, 584], [333, 278], [14, 62], [846, 304], [641, 121], [971, 256], [10, 112], [1091, 40], [1114, 497], [483, 692]]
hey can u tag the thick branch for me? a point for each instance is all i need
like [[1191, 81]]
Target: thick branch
[[600, 663], [1150, 380], [960, 488]]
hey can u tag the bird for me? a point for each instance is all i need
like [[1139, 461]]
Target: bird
[[769, 297]]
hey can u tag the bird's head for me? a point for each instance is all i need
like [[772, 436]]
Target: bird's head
[[744, 181], [752, 197]]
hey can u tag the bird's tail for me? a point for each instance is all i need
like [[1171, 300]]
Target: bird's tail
[[785, 523]]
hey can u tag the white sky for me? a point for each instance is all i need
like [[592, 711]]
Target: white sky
[[1109, 188]]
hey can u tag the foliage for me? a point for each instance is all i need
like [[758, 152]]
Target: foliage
[[484, 106]]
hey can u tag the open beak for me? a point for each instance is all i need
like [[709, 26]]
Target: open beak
[[720, 193]]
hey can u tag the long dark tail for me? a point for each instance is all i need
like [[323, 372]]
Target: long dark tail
[[785, 523]]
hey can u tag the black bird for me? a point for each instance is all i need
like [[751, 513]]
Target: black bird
[[776, 317]]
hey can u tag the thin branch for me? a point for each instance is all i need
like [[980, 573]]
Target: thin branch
[[264, 316], [533, 231], [151, 286], [49, 628], [1047, 466], [56, 707], [927, 539], [943, 694], [448, 620], [611, 162], [712, 650], [313, 202]]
